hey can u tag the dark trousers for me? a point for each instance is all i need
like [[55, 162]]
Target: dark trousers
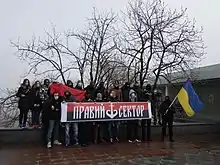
[[98, 132], [83, 133], [23, 116], [45, 131], [146, 126], [132, 130], [36, 115], [168, 121]]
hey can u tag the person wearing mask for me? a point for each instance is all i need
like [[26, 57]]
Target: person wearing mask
[[113, 126], [100, 126], [101, 89], [44, 114], [137, 89], [125, 92], [69, 125], [37, 97], [24, 102], [167, 115], [132, 125], [90, 91], [69, 83], [45, 89], [54, 114], [79, 85], [146, 96], [117, 90]]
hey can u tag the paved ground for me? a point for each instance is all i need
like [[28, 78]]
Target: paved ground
[[193, 150]]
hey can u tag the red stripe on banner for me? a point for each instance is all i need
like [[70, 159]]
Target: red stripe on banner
[[108, 105]]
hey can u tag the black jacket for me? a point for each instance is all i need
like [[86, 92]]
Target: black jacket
[[138, 90], [70, 99], [125, 93], [24, 97], [112, 99], [164, 107], [102, 90], [37, 97], [90, 92], [53, 109]]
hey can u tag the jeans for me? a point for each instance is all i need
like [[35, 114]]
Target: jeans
[[74, 126], [23, 116], [113, 129], [36, 115], [53, 128]]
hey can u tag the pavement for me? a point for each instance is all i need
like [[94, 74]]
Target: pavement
[[186, 150]]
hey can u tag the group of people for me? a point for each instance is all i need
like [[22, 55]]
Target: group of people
[[39, 100]]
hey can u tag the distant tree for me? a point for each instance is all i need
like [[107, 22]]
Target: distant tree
[[97, 45], [159, 40], [45, 56], [8, 108]]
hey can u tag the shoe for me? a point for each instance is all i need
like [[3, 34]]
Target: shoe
[[56, 142], [102, 141], [49, 145], [130, 141], [117, 139], [111, 140], [67, 145], [138, 141], [84, 145]]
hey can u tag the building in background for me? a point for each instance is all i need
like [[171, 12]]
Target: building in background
[[206, 82]]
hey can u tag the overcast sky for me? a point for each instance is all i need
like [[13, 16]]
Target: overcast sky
[[25, 18]]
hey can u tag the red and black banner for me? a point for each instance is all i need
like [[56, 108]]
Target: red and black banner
[[105, 111]]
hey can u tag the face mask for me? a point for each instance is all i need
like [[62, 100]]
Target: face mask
[[56, 97], [67, 95], [38, 85], [26, 83]]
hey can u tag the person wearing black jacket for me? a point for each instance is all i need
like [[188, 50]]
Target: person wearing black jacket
[[24, 102], [90, 91], [125, 92], [54, 113], [146, 96], [46, 89], [101, 89], [167, 115], [37, 98], [69, 83], [113, 126], [99, 126]]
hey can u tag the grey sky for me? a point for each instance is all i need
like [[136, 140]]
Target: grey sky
[[25, 18]]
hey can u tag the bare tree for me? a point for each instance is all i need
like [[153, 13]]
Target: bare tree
[[45, 56], [159, 40], [8, 108], [97, 45]]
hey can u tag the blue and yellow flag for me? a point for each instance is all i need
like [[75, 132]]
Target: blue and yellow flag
[[189, 99]]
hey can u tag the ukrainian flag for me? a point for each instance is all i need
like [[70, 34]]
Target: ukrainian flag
[[189, 99]]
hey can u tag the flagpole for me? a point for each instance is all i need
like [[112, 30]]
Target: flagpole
[[171, 104]]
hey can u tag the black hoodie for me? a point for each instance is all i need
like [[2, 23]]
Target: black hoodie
[[125, 92], [55, 112]]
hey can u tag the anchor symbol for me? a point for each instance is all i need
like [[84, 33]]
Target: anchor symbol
[[111, 113]]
